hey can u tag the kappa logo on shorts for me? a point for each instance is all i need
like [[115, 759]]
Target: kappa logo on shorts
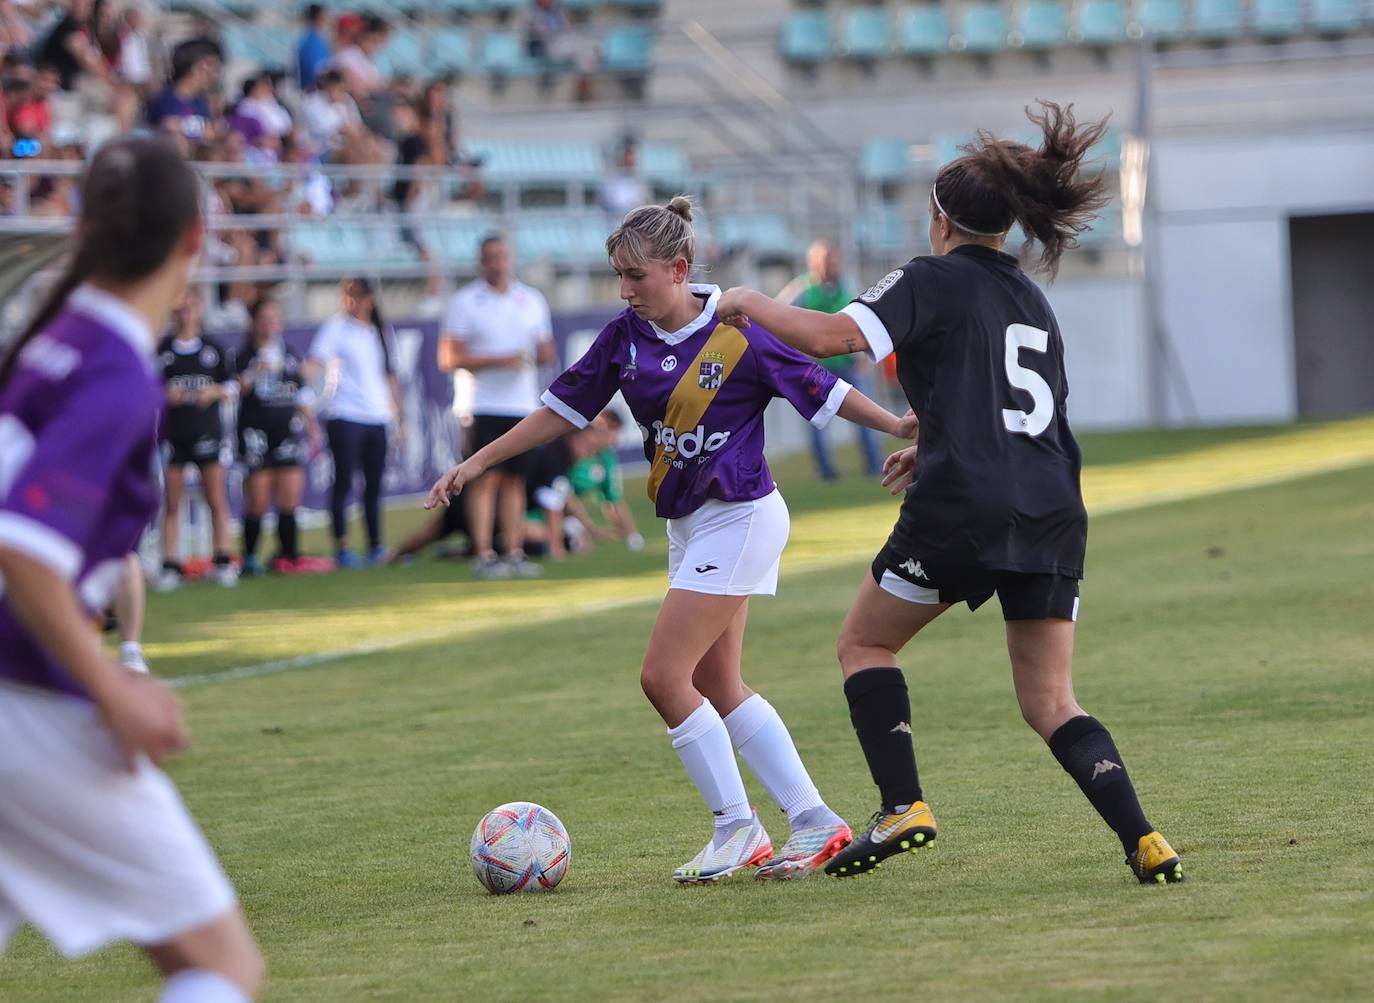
[[707, 569], [875, 292], [913, 568]]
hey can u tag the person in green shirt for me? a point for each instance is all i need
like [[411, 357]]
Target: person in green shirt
[[824, 288], [598, 484]]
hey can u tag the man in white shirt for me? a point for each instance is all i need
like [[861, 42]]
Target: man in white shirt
[[499, 330]]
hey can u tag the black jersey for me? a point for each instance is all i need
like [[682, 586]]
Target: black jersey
[[980, 357], [271, 399], [190, 367], [546, 478]]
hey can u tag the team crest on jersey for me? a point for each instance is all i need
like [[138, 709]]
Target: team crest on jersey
[[875, 293], [710, 374]]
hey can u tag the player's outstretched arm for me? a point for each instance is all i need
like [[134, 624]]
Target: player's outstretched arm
[[532, 432], [863, 411], [820, 335]]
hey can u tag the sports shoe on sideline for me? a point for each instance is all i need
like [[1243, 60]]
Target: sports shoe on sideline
[[887, 834], [748, 846], [490, 568], [167, 580], [225, 575], [303, 565], [252, 567], [522, 567], [1155, 861], [346, 560], [131, 657], [805, 850]]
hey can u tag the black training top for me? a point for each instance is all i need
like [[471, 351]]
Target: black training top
[[192, 366], [274, 399], [981, 360]]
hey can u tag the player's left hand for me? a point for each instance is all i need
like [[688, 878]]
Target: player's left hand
[[908, 425], [899, 469], [731, 306]]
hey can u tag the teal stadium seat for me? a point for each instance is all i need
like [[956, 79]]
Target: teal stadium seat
[[1099, 23], [1337, 17], [982, 29], [464, 7], [245, 43], [867, 34], [1278, 18], [764, 233], [636, 6], [1041, 24], [627, 48], [924, 30], [582, 6], [885, 159], [401, 56], [882, 230], [1106, 229], [503, 55], [1160, 20], [947, 146], [806, 37], [451, 51], [664, 165], [501, 6], [1219, 20]]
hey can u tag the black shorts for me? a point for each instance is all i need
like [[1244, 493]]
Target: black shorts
[[486, 429], [180, 452], [1024, 596], [455, 518], [270, 449]]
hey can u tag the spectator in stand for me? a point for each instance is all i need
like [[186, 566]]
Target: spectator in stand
[[183, 107], [71, 46], [276, 432], [135, 65], [439, 122], [415, 147], [551, 38], [335, 126], [824, 288], [361, 399], [15, 35], [363, 79], [624, 189], [27, 116], [313, 52], [260, 104], [499, 329]]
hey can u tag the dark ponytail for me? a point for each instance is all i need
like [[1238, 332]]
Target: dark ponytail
[[138, 196], [359, 288], [999, 182]]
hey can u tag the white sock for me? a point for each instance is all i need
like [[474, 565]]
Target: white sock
[[200, 985], [763, 740], [703, 745], [131, 656]]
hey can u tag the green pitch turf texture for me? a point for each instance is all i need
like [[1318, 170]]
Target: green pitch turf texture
[[1225, 639]]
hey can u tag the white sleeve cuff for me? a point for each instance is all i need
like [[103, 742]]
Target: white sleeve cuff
[[563, 411], [873, 330], [42, 543], [832, 404]]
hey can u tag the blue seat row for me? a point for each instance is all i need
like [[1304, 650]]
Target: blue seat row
[[662, 164], [866, 34], [467, 8], [625, 48]]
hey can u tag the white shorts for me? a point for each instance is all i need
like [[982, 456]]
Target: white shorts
[[91, 853], [729, 548]]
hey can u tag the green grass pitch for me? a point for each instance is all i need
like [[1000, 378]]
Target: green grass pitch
[[1225, 640]]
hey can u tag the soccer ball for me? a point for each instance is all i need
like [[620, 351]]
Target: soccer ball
[[520, 847]]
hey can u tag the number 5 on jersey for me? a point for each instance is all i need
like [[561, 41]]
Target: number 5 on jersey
[[1021, 336]]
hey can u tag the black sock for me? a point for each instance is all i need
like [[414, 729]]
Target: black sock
[[1086, 751], [172, 566], [221, 560], [881, 713], [252, 528], [286, 535]]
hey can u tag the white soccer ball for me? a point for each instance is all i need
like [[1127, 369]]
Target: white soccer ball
[[520, 847]]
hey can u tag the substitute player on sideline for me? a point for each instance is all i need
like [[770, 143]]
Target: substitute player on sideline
[[994, 503], [698, 389], [95, 843]]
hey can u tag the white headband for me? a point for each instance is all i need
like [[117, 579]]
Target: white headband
[[955, 222]]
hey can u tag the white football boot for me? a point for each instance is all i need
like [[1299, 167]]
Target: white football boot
[[747, 846]]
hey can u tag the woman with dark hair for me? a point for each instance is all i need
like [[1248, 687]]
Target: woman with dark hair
[[275, 422], [97, 845], [361, 399], [993, 503]]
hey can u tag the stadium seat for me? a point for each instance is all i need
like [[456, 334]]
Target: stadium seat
[[466, 7], [764, 233], [503, 55], [885, 158], [245, 43], [451, 51], [501, 6], [924, 31], [1278, 18], [1219, 20], [664, 164], [1106, 229], [982, 29], [806, 37], [1099, 22], [401, 56], [1337, 17], [1161, 20], [947, 146], [627, 48], [542, 164], [1041, 24], [582, 6], [637, 6], [882, 229], [867, 34]]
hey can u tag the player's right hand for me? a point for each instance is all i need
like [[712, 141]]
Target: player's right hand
[[899, 469], [145, 718], [450, 484]]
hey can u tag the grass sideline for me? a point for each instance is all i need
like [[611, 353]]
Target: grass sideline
[[1225, 641]]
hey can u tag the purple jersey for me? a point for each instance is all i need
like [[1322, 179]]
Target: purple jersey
[[699, 396], [78, 441]]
